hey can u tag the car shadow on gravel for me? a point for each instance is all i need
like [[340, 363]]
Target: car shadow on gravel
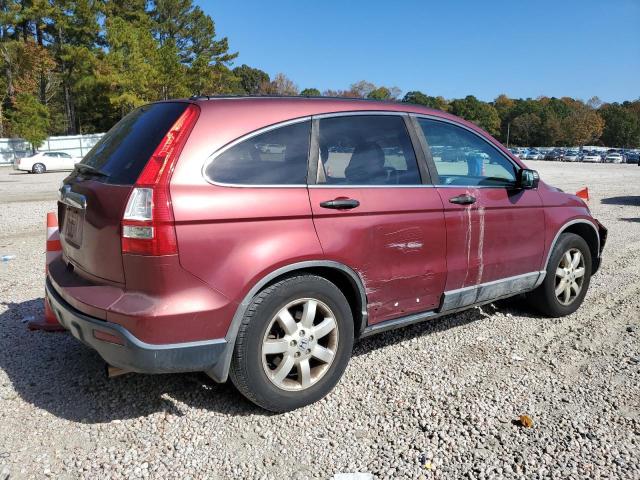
[[514, 306], [55, 372], [625, 200]]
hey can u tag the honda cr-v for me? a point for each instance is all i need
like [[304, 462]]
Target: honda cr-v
[[257, 238]]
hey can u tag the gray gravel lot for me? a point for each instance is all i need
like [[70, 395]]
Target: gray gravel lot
[[437, 400]]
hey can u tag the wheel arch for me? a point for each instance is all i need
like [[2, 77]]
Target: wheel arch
[[345, 278], [585, 229]]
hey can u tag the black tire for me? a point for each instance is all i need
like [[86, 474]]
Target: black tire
[[247, 371], [544, 298], [38, 168]]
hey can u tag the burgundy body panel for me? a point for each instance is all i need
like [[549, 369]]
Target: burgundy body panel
[[231, 237], [501, 235], [100, 255], [161, 304], [395, 240], [559, 209]]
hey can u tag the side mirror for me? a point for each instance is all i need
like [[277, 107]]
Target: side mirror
[[528, 179]]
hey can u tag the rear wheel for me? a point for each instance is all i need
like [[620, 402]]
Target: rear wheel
[[294, 343], [39, 168], [567, 279]]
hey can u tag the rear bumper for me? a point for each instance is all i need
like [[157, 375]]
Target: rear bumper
[[120, 348]]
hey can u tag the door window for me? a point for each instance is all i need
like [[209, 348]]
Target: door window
[[463, 158], [366, 150], [275, 157]]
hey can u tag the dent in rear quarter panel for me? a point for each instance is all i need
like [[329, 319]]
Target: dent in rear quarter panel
[[560, 208], [164, 303]]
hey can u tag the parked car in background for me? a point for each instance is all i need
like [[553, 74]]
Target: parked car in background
[[167, 265], [42, 162], [614, 157], [555, 155], [591, 157], [534, 155], [571, 156], [632, 157], [520, 153]]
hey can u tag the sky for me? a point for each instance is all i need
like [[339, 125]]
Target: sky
[[522, 48]]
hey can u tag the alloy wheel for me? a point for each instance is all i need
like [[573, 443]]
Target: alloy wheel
[[300, 344], [569, 276]]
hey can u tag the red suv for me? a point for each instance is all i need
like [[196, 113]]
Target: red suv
[[257, 238]]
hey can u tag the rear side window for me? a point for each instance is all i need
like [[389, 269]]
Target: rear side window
[[275, 157], [125, 149], [463, 158], [366, 150]]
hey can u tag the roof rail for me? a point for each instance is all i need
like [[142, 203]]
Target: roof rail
[[309, 97]]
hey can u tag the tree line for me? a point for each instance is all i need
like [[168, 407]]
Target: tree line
[[78, 66]]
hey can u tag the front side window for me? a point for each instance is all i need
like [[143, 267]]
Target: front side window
[[275, 157], [463, 158], [366, 150]]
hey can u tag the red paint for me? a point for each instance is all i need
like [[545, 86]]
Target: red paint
[[395, 240], [408, 245], [501, 235]]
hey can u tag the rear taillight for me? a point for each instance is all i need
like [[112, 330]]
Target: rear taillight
[[148, 226]]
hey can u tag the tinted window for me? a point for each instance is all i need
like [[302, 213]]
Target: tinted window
[[275, 157], [463, 158], [125, 149], [366, 150]]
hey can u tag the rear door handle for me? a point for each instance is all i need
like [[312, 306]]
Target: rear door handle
[[464, 199], [341, 203]]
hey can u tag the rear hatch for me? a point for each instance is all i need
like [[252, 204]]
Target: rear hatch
[[93, 198]]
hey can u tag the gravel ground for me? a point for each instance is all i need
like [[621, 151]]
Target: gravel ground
[[436, 400]]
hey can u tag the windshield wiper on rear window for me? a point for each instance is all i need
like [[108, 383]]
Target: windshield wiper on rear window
[[84, 168]]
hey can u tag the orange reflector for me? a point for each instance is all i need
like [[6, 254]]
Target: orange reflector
[[107, 337], [584, 193]]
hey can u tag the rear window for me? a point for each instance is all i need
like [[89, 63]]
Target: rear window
[[124, 151], [275, 157]]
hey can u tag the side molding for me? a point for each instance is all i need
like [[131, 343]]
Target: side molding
[[220, 371], [490, 291]]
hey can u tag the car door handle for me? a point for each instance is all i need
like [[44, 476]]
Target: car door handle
[[464, 199], [341, 203]]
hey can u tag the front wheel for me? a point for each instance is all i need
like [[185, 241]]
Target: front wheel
[[293, 344], [567, 278]]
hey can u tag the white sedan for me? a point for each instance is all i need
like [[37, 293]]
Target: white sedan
[[572, 156], [44, 161], [614, 158], [591, 158]]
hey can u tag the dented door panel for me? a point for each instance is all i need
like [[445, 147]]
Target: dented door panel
[[395, 240]]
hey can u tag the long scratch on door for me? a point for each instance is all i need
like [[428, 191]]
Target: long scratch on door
[[467, 241], [480, 245]]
